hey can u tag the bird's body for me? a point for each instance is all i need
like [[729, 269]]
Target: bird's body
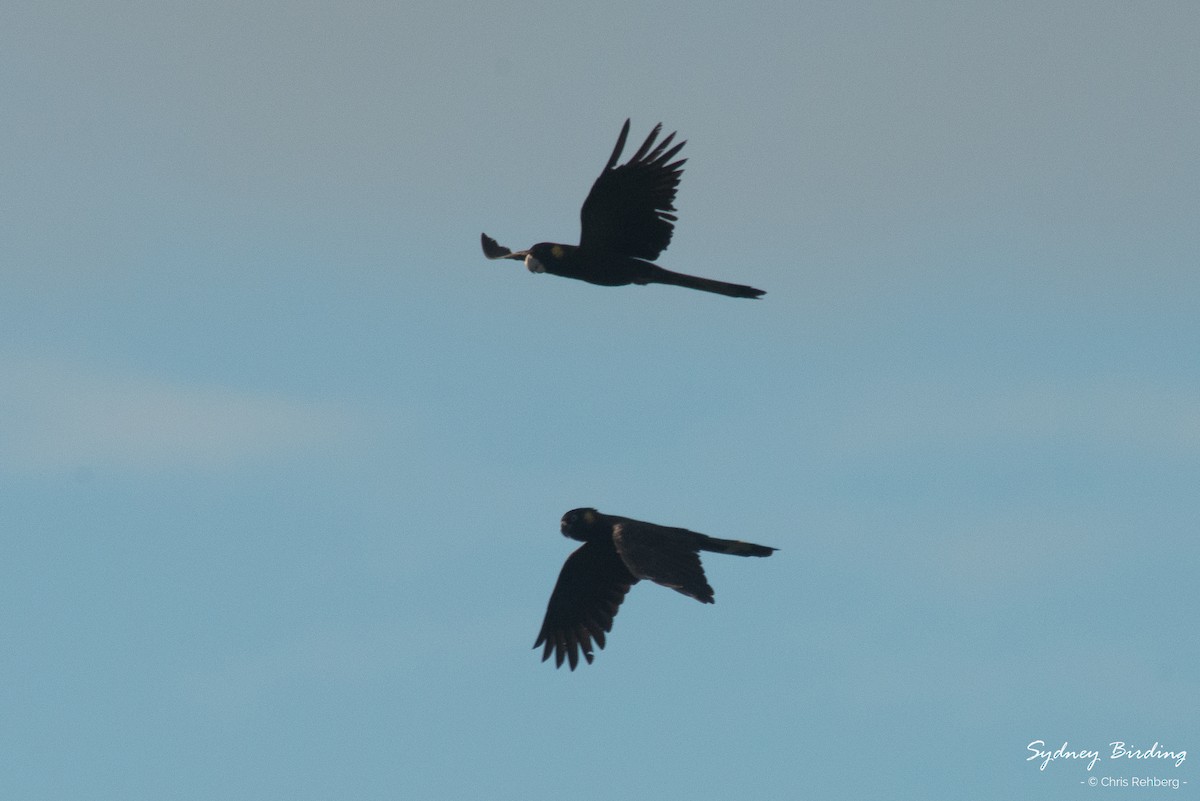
[[570, 261], [617, 552], [627, 221]]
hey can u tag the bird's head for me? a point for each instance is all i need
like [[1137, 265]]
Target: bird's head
[[578, 523], [544, 253]]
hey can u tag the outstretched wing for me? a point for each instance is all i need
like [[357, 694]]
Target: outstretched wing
[[629, 210], [494, 250], [666, 556], [590, 588]]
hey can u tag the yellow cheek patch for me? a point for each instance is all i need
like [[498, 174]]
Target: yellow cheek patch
[[556, 251], [589, 517]]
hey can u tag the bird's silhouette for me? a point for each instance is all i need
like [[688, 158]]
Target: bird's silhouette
[[626, 222], [617, 552]]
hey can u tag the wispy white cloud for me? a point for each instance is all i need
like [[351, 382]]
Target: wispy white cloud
[[1006, 555], [228, 681], [57, 415], [1131, 415]]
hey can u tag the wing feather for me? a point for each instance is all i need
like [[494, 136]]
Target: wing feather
[[666, 556], [590, 588], [630, 208], [494, 250]]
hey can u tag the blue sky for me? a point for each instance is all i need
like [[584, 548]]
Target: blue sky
[[282, 456]]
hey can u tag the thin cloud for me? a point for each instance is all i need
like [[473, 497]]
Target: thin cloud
[[57, 416], [228, 681], [1107, 414]]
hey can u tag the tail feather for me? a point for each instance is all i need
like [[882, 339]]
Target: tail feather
[[733, 547], [661, 276]]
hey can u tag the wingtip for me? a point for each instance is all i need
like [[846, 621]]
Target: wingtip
[[493, 249], [616, 154]]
